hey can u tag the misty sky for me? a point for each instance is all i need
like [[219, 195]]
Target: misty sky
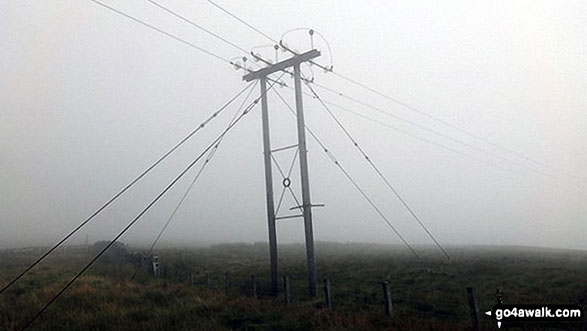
[[89, 99]]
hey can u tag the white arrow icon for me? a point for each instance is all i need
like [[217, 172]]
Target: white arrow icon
[[488, 313]]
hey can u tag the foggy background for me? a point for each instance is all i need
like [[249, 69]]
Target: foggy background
[[89, 99]]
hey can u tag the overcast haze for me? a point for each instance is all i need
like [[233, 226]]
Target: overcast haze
[[89, 99]]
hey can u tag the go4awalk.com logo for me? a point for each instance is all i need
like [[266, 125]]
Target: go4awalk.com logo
[[513, 314]]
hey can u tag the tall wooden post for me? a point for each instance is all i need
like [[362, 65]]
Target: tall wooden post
[[306, 201], [269, 190]]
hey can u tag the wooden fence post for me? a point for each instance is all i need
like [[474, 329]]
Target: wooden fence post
[[227, 280], [327, 299], [387, 298], [192, 279], [155, 266], [286, 290], [254, 286], [474, 308]]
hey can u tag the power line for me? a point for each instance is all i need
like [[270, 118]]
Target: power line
[[445, 136], [129, 225], [401, 119], [311, 81], [439, 120], [128, 186], [176, 38], [397, 101], [354, 183], [243, 22], [215, 35], [413, 135], [194, 180], [383, 177], [165, 33]]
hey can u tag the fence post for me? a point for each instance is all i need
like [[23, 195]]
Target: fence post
[[474, 308], [387, 298], [155, 266], [254, 286], [208, 281], [286, 290], [327, 299], [192, 279], [227, 280]]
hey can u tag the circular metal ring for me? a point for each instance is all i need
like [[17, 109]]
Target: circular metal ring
[[286, 182]]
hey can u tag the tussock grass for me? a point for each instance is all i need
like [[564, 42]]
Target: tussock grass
[[427, 295]]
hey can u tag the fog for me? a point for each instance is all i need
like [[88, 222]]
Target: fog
[[89, 99]]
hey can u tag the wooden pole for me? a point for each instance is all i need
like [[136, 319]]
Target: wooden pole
[[327, 298], [306, 200], [474, 308], [387, 298], [286, 290], [269, 189]]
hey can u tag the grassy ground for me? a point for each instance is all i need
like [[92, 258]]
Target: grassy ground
[[428, 294]]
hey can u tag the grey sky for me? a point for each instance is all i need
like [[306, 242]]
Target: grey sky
[[88, 99]]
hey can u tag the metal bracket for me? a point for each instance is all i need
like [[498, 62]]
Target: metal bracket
[[284, 148], [287, 217], [311, 206], [296, 60]]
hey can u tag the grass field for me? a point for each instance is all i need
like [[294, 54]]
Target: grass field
[[428, 294]]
